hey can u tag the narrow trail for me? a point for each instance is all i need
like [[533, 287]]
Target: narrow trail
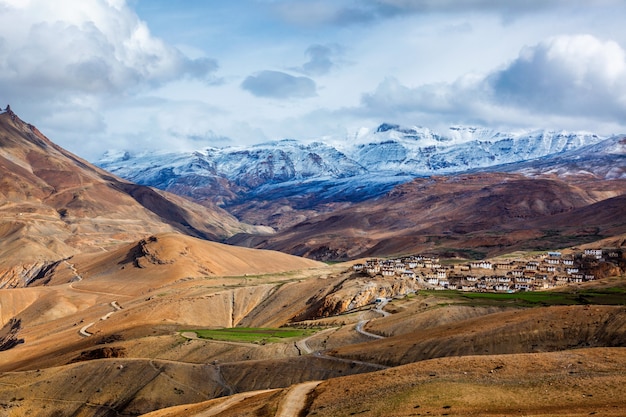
[[107, 315], [71, 285], [361, 324], [194, 336], [72, 268], [77, 402], [351, 361], [379, 308], [295, 400], [223, 406], [359, 328], [79, 278], [83, 331], [303, 346]]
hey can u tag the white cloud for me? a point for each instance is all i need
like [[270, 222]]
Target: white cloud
[[92, 75], [565, 78], [569, 75], [88, 46], [59, 64]]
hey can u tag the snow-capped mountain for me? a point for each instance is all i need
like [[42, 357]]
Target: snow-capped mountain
[[421, 151], [605, 160], [372, 161], [251, 167]]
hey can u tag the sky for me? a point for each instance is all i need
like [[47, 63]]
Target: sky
[[95, 75]]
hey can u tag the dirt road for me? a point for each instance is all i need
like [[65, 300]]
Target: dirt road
[[295, 400]]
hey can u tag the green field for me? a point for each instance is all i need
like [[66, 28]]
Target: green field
[[606, 296], [252, 334]]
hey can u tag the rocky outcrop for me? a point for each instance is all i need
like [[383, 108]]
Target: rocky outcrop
[[354, 293], [8, 334], [24, 275], [101, 353]]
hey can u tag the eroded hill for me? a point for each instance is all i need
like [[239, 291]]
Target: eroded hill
[[54, 205]]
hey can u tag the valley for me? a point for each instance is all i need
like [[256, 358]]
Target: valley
[[475, 293], [138, 331]]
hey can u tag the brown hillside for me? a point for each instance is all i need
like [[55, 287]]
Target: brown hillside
[[532, 330], [465, 215], [162, 259], [570, 384], [54, 205], [160, 368]]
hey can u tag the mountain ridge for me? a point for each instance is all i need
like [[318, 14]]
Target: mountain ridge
[[282, 183], [390, 154], [54, 205]]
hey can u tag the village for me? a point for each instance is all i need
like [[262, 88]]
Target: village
[[539, 272]]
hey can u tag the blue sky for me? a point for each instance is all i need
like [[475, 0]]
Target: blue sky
[[160, 74]]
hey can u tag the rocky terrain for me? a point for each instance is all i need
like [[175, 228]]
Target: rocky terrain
[[469, 215]]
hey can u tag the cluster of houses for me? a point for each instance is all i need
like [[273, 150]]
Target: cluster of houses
[[548, 270]]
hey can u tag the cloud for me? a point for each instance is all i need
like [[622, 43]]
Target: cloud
[[102, 47], [61, 65], [320, 59], [565, 77], [276, 84], [453, 101]]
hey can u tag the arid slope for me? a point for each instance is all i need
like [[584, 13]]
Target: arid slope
[[54, 204], [473, 215]]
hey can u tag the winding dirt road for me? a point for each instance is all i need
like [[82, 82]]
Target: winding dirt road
[[295, 400], [83, 331], [362, 323]]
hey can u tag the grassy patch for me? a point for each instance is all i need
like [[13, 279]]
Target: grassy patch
[[252, 334], [605, 296]]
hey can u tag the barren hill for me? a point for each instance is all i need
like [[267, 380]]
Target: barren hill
[[54, 204], [573, 384], [161, 259], [472, 215]]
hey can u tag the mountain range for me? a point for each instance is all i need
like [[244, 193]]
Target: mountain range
[[54, 205], [385, 191], [370, 162]]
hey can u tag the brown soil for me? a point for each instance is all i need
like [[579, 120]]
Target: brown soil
[[54, 205], [150, 366], [517, 331], [573, 383]]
